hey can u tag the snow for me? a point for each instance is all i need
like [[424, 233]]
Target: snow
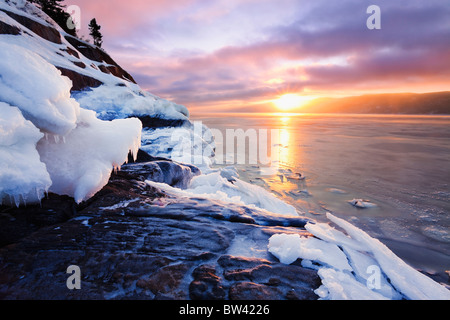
[[25, 8], [61, 148], [116, 99], [373, 270], [194, 145]]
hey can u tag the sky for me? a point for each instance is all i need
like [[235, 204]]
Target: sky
[[244, 55]]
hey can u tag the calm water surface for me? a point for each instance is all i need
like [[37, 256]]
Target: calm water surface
[[399, 163]]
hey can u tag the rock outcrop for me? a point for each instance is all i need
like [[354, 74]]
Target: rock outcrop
[[132, 241], [73, 46]]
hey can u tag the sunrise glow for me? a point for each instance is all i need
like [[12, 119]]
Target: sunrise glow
[[291, 101]]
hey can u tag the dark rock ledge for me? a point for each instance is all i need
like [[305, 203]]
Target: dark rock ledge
[[132, 241]]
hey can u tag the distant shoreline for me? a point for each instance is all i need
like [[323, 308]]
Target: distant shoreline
[[297, 114]]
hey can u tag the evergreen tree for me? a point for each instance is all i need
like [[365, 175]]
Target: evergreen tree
[[55, 10], [95, 33]]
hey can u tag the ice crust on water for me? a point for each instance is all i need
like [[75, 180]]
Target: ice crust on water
[[396, 280], [61, 148]]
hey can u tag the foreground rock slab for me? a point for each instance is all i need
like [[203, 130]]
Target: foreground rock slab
[[131, 241]]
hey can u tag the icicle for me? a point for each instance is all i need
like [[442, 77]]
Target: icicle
[[56, 138], [17, 201], [64, 139], [40, 194], [46, 136], [24, 199]]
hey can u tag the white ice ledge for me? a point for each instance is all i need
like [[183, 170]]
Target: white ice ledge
[[354, 266]]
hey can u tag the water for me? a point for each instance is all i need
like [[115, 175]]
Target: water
[[399, 163]]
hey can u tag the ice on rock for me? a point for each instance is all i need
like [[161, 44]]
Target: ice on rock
[[61, 147], [191, 145], [215, 187], [290, 247], [37, 89], [367, 258], [405, 279], [118, 102], [238, 190], [330, 234], [286, 247], [82, 165], [343, 286], [23, 177]]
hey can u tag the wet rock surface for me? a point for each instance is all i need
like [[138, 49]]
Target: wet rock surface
[[132, 241]]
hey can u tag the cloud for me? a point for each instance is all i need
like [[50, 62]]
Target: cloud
[[202, 53]]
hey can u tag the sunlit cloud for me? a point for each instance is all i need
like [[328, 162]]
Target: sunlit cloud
[[242, 54]]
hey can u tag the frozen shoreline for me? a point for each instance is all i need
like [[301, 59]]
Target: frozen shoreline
[[70, 143]]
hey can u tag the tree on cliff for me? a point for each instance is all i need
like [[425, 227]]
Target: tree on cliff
[[94, 29], [55, 10]]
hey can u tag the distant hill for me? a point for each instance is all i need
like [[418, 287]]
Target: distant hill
[[392, 103]]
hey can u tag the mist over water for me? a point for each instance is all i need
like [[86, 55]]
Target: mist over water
[[399, 163]]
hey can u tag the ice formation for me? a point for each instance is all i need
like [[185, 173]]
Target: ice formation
[[191, 144], [362, 204], [37, 88], [214, 186], [373, 271], [110, 101], [68, 150], [239, 191], [20, 160]]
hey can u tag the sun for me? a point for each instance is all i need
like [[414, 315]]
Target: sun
[[290, 101]]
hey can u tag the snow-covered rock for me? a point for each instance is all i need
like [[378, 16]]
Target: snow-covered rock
[[37, 88], [70, 151], [56, 90], [98, 82]]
